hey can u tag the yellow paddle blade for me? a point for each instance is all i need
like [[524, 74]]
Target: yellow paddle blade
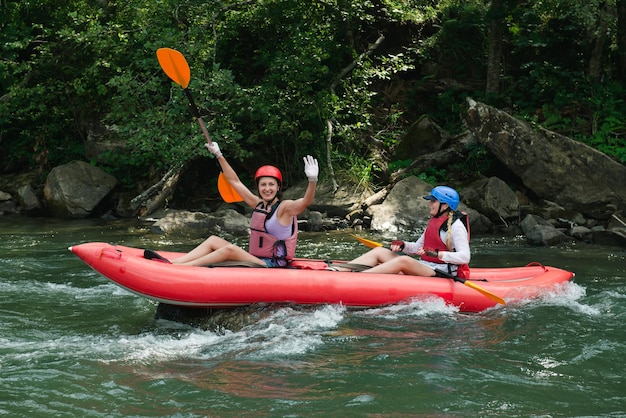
[[227, 191], [367, 242], [175, 66], [485, 292]]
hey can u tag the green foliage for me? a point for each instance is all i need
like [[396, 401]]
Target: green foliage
[[357, 168], [478, 160], [54, 84], [399, 165], [548, 82], [433, 176], [261, 74], [430, 175], [461, 40], [608, 132]]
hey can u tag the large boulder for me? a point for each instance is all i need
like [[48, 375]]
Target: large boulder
[[423, 137], [403, 210], [216, 320], [545, 235], [200, 224], [7, 205], [28, 199], [479, 223], [334, 203], [553, 166], [539, 231], [615, 236], [73, 190], [493, 198]]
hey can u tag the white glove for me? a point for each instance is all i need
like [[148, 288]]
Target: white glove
[[214, 148], [311, 169]]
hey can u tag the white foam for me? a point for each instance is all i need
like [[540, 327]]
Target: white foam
[[566, 295], [416, 308], [288, 331]]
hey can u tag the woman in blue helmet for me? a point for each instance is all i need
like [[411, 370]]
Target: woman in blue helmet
[[444, 245], [273, 226]]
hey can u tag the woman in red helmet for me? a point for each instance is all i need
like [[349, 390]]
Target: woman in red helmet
[[273, 226], [443, 246]]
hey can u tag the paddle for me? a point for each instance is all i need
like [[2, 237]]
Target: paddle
[[495, 298], [175, 66]]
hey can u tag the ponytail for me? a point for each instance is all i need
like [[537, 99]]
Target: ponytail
[[449, 233]]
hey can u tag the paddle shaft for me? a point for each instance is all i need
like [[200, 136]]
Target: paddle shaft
[[196, 113], [177, 69], [228, 193]]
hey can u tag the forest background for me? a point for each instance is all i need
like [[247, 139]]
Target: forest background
[[278, 79]]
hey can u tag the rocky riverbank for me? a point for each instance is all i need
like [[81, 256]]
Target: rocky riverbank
[[404, 213], [550, 188]]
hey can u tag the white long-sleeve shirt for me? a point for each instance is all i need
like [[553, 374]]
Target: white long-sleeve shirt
[[459, 241]]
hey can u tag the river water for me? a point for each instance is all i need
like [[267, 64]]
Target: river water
[[74, 344]]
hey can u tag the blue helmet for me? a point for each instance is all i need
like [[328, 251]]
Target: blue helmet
[[444, 194]]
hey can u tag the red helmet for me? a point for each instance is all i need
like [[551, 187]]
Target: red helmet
[[269, 171]]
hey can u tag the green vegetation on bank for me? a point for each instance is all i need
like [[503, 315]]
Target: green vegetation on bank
[[270, 77]]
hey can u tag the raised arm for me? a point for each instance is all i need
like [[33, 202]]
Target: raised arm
[[250, 198], [291, 208]]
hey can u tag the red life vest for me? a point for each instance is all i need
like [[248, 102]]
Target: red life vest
[[265, 245], [433, 241]]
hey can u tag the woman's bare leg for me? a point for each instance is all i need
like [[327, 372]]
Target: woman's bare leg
[[403, 264], [374, 257], [229, 252], [208, 246]]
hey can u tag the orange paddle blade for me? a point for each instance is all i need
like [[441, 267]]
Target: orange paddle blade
[[227, 191], [175, 66]]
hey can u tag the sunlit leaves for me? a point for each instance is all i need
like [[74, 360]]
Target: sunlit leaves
[[262, 71]]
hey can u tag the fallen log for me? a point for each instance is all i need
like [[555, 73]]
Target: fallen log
[[155, 196]]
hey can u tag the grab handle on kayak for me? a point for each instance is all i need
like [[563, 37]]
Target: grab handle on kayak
[[536, 264], [110, 253]]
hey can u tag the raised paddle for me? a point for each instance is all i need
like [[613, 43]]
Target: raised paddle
[[175, 66], [495, 298]]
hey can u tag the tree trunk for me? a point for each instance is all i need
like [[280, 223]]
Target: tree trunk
[[494, 57], [329, 146], [599, 41], [621, 40]]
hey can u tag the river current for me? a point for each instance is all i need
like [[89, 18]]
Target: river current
[[72, 343]]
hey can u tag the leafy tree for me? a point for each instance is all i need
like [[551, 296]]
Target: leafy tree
[[271, 77]]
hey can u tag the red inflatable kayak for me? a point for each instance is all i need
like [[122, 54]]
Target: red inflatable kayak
[[307, 282]]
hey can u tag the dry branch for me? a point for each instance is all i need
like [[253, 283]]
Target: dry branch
[[154, 197]]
